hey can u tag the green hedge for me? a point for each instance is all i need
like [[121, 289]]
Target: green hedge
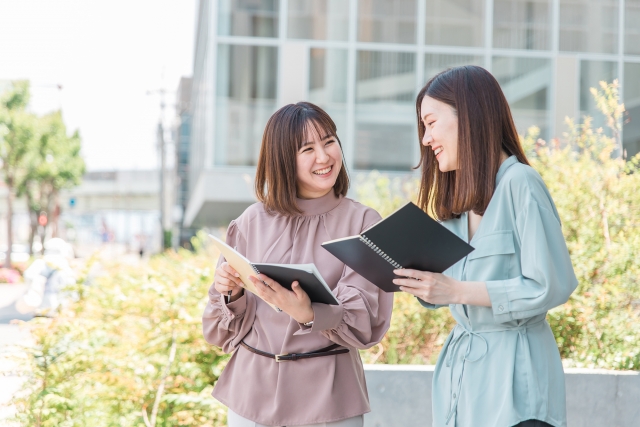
[[131, 342]]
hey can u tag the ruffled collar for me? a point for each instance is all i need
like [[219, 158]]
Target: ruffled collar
[[320, 205]]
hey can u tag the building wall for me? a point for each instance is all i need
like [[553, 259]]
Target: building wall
[[365, 60]]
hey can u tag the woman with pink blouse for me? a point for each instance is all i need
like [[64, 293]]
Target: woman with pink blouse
[[301, 184]]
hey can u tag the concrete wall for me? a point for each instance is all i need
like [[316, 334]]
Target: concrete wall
[[401, 396]]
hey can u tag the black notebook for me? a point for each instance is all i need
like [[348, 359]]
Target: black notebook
[[408, 238], [307, 275]]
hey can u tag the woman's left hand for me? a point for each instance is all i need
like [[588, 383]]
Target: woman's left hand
[[434, 288], [295, 303]]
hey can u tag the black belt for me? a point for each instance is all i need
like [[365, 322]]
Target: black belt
[[327, 351]]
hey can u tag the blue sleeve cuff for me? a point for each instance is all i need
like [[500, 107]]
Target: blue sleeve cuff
[[499, 300], [429, 305]]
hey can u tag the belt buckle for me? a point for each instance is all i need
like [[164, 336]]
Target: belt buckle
[[278, 356]]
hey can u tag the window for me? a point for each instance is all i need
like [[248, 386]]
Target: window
[[631, 91], [328, 84], [589, 26], [522, 24], [387, 21], [632, 27], [436, 62], [252, 18], [526, 85], [455, 23], [246, 98], [591, 73], [386, 137], [318, 19]]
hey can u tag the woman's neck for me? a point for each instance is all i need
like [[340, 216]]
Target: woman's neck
[[306, 195]]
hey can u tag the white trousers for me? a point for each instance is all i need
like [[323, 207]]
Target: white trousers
[[235, 420]]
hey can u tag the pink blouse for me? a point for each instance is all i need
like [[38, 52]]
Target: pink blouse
[[308, 391]]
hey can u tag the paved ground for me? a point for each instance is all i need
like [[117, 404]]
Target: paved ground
[[10, 335], [9, 310]]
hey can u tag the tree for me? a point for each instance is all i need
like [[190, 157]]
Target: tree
[[53, 164], [17, 135]]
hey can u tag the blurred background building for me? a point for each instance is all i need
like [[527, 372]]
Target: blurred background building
[[365, 60], [115, 207]]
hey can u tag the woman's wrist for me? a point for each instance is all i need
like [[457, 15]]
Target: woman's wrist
[[306, 316], [461, 293], [472, 293]]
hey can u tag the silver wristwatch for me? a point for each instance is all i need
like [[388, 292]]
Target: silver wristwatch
[[309, 324]]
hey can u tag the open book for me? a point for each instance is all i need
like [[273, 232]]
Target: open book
[[408, 238], [307, 275]]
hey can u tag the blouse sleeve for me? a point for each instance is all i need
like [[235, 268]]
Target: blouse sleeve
[[547, 278], [225, 325], [362, 317]]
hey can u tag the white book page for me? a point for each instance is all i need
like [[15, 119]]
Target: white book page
[[238, 262]]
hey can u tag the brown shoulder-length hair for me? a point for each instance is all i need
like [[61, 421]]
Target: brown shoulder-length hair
[[485, 129], [286, 131]]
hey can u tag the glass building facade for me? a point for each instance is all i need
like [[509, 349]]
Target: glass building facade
[[365, 60]]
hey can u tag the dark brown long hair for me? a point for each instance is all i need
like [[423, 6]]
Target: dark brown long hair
[[485, 129], [286, 131]]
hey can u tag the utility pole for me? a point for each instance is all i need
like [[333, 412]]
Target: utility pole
[[162, 176], [163, 161]]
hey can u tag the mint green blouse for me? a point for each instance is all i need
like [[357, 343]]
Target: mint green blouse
[[500, 365]]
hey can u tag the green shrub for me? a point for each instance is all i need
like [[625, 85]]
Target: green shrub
[[596, 193], [130, 344]]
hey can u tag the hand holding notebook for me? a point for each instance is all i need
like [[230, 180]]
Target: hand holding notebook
[[408, 238], [307, 275]]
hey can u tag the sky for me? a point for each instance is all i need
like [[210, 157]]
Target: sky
[[108, 56]]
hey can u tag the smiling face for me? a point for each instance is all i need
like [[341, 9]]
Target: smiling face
[[441, 132], [318, 163]]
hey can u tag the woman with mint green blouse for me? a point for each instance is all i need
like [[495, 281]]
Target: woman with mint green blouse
[[500, 366]]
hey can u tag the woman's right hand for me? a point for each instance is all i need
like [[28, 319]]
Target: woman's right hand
[[227, 279]]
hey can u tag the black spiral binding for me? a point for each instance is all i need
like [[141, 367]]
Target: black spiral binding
[[379, 251]]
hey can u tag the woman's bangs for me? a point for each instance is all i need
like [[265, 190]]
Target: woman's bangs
[[318, 125]]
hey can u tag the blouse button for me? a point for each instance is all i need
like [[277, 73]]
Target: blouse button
[[500, 308], [454, 395]]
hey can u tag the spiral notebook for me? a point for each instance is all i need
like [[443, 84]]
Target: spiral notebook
[[307, 275], [408, 238]]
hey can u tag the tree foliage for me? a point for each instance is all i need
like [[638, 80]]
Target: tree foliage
[[54, 163], [597, 198], [37, 156]]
